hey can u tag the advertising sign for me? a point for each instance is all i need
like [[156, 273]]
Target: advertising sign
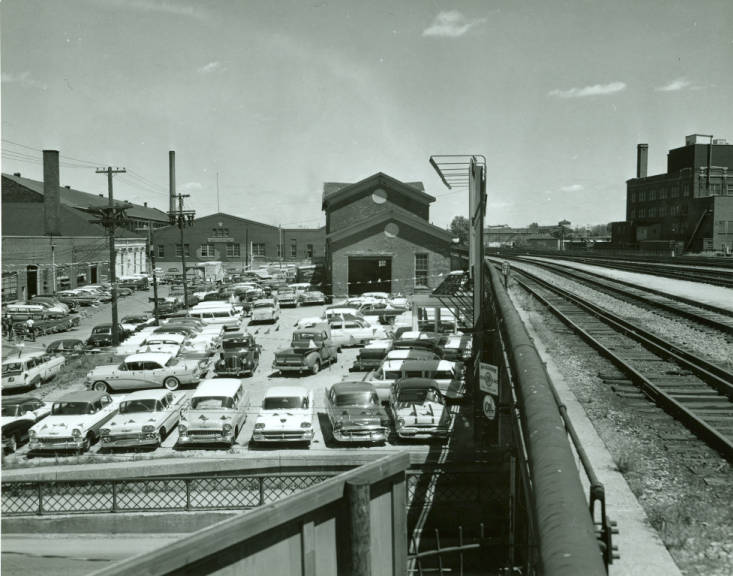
[[489, 378]]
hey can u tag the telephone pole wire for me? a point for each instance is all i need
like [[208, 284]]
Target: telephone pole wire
[[110, 217]]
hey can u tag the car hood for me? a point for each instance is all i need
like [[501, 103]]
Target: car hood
[[293, 351], [167, 348], [284, 419], [63, 425], [5, 420], [133, 422], [359, 414], [213, 419], [425, 413]]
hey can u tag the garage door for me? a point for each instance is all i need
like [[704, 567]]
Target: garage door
[[370, 274]]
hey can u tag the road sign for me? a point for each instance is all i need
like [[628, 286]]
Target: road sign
[[489, 378], [489, 407]]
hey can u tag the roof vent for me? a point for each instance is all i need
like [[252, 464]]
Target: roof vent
[[16, 174], [67, 187], [145, 204], [101, 195]]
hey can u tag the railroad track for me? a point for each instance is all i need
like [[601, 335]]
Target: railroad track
[[705, 314], [696, 392]]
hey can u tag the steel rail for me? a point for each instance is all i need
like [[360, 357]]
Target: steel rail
[[708, 433]]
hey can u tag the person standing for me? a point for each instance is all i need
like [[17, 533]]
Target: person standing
[[7, 325], [31, 331]]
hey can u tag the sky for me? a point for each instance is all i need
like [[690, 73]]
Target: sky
[[272, 99]]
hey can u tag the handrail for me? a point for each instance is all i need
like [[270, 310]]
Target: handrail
[[565, 532]]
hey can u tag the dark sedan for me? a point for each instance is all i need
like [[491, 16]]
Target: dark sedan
[[102, 335]]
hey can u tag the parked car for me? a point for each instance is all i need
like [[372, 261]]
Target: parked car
[[144, 418], [136, 322], [265, 310], [80, 297], [215, 414], [371, 356], [147, 370], [70, 303], [314, 297], [443, 372], [355, 413], [101, 335], [168, 343], [53, 302], [19, 413], [217, 313], [240, 355], [310, 350], [30, 370], [419, 410], [457, 347], [74, 423], [286, 415], [288, 297], [353, 332], [67, 347]]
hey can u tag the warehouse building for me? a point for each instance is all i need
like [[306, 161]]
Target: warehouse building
[[379, 238], [689, 207]]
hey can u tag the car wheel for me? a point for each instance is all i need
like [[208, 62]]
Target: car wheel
[[88, 441], [316, 367], [163, 434], [13, 442], [101, 386], [171, 383]]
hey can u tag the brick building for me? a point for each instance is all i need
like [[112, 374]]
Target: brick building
[[47, 236], [378, 237], [691, 205], [236, 243]]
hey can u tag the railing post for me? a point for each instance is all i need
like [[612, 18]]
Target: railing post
[[399, 525], [40, 498], [261, 480], [114, 496], [188, 494], [358, 500]]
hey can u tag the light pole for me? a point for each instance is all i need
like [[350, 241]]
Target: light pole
[[151, 251], [563, 224], [182, 218]]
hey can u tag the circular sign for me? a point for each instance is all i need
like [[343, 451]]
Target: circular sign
[[391, 230], [489, 407]]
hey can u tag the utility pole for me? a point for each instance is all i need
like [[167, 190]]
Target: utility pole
[[151, 249], [182, 218], [111, 217]]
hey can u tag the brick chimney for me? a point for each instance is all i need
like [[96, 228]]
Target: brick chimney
[[51, 199], [642, 152]]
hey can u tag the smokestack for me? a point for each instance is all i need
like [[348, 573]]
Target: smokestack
[[642, 151], [172, 179], [51, 201]]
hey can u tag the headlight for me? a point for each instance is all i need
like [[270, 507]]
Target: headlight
[[32, 433], [260, 426], [227, 428], [182, 428], [305, 424], [76, 433], [338, 424], [148, 429]]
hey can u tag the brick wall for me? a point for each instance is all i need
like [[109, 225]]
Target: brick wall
[[364, 207], [402, 250]]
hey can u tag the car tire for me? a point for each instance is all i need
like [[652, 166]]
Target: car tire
[[88, 441], [101, 386], [171, 383], [316, 367], [163, 434], [13, 443]]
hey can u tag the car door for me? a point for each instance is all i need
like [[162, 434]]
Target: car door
[[153, 373], [128, 378]]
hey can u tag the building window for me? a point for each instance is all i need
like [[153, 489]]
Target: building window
[[220, 233], [186, 250], [293, 248], [730, 189], [161, 251], [685, 188], [207, 250], [258, 249], [233, 250], [309, 250], [10, 286], [421, 269], [633, 213]]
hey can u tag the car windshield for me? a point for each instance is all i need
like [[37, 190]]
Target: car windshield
[[204, 402], [133, 319], [172, 362], [144, 405], [283, 402], [364, 398], [12, 368], [418, 395], [102, 330], [235, 344], [11, 410], [71, 408], [305, 336]]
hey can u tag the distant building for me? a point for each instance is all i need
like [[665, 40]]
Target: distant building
[[530, 237], [236, 242], [47, 236], [689, 206], [379, 238]]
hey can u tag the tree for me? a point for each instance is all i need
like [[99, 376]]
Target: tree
[[460, 228]]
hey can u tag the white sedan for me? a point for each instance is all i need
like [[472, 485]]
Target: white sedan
[[286, 416], [354, 331]]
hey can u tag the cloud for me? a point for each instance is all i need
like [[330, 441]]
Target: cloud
[[674, 86], [24, 79], [451, 24], [191, 187], [571, 188], [160, 7], [595, 90], [211, 67]]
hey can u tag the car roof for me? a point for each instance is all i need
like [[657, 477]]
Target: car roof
[[171, 335], [155, 394], [380, 343], [217, 387], [279, 391], [9, 401], [24, 356], [160, 357], [352, 386], [81, 396], [415, 363], [421, 383]]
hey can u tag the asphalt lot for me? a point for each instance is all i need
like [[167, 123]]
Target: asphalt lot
[[271, 337]]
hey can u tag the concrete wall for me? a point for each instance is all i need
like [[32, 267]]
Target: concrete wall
[[402, 250]]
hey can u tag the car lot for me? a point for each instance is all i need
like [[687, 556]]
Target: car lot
[[271, 337]]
